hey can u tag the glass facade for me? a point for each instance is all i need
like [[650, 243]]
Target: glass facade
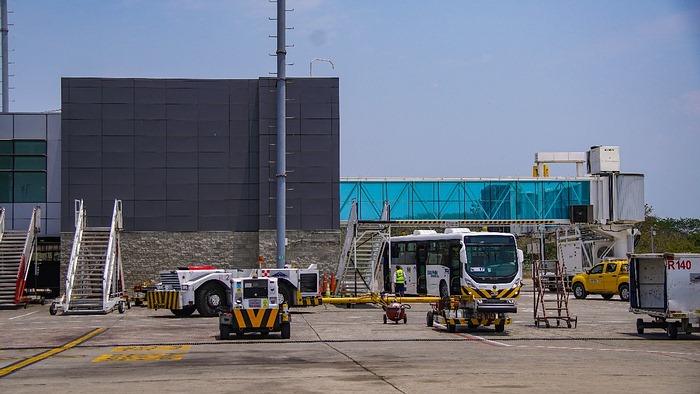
[[530, 199], [22, 171]]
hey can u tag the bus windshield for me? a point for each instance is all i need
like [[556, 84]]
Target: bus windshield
[[491, 258]]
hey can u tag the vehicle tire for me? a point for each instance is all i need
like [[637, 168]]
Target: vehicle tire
[[224, 331], [607, 296], [579, 291], [500, 327], [444, 290], [640, 326], [285, 293], [405, 319], [384, 319], [209, 297], [672, 331], [451, 327], [52, 309], [185, 312], [624, 292], [286, 331], [264, 333], [120, 306], [239, 334], [429, 319]]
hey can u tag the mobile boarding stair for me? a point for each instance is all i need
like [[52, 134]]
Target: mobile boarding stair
[[551, 297], [359, 264], [17, 248], [94, 279]]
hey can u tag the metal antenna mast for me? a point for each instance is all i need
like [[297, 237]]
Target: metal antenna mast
[[5, 62], [281, 133]]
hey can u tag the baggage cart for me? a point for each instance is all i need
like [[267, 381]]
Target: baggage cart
[[667, 288]]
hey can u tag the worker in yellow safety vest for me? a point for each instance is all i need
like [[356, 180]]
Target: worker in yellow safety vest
[[399, 281]]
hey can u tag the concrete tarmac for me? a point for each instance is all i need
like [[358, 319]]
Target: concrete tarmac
[[338, 349]]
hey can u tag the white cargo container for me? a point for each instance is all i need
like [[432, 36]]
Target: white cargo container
[[667, 288]]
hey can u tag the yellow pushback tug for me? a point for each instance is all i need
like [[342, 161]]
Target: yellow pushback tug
[[255, 307]]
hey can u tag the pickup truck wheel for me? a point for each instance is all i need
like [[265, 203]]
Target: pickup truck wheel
[[579, 291], [185, 312], [624, 292], [209, 297]]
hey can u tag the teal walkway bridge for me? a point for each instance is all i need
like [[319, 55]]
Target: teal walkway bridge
[[487, 201]]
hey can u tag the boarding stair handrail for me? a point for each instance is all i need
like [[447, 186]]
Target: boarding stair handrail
[[27, 253], [80, 224], [2, 222], [113, 276]]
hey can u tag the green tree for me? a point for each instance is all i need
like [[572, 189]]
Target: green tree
[[668, 235]]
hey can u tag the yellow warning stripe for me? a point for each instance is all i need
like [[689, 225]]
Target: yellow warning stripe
[[49, 353], [163, 299], [255, 318], [513, 292]]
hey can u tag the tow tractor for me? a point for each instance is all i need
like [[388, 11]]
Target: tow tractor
[[471, 312], [255, 308]]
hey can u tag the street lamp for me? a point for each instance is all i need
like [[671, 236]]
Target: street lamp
[[653, 233], [321, 59]]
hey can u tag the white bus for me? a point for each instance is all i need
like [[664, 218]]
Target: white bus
[[458, 262]]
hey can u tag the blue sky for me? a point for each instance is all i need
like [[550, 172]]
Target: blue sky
[[427, 89]]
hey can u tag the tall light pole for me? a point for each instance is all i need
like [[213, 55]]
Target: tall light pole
[[281, 173]]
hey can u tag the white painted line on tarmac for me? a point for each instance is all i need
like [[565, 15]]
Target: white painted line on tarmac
[[482, 339], [568, 348], [26, 314]]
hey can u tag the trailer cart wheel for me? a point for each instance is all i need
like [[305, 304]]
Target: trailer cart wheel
[[405, 319], [120, 306], [224, 331], [52, 309], [451, 327], [640, 326], [384, 319], [286, 331], [429, 319], [672, 331], [500, 327]]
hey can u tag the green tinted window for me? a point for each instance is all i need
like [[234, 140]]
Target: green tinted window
[[5, 147], [30, 187], [5, 163], [5, 187], [30, 147], [30, 163]]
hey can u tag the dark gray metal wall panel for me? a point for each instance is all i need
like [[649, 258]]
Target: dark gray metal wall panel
[[213, 112], [85, 176], [150, 111], [145, 160], [150, 192], [118, 191], [150, 95], [117, 159], [118, 95], [178, 160], [118, 176], [222, 130], [118, 127], [149, 209]]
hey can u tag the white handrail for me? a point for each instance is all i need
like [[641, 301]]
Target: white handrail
[[110, 282], [2, 222], [80, 221]]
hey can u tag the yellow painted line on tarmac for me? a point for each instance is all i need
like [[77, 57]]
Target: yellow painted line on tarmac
[[14, 367]]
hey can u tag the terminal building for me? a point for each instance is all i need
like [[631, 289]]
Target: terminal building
[[192, 162]]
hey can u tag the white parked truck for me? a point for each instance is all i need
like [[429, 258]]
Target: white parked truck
[[667, 288], [207, 289]]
